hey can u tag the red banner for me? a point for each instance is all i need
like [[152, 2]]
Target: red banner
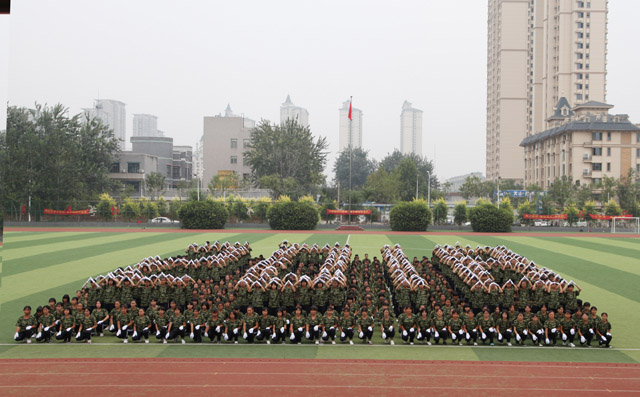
[[68, 211], [346, 212], [545, 217], [609, 217]]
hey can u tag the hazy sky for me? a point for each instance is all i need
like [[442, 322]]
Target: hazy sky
[[184, 60]]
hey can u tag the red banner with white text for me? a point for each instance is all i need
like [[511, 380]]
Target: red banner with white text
[[346, 212], [545, 217]]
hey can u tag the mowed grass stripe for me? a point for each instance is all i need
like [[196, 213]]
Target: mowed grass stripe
[[69, 251], [619, 262], [619, 282], [14, 245], [15, 237], [605, 249], [27, 283], [615, 242], [368, 244]]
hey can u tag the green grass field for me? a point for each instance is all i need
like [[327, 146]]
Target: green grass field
[[39, 265]]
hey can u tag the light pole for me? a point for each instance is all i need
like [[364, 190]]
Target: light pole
[[198, 184], [498, 197], [429, 188]]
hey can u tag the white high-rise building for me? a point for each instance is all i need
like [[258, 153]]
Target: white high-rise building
[[145, 125], [537, 52], [289, 111], [350, 131], [410, 129], [113, 114]]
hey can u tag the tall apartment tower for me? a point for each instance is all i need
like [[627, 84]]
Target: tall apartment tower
[[145, 125], [290, 111], [350, 134], [113, 114], [410, 129], [538, 51]]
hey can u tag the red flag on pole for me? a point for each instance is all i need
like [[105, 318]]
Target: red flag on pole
[[350, 102]]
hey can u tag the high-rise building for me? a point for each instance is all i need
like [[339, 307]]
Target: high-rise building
[[537, 52], [113, 114], [145, 125], [350, 130], [224, 141], [290, 111], [410, 129]]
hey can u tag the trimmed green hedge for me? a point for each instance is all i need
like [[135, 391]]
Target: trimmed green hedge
[[412, 216], [489, 218], [292, 216], [203, 215]]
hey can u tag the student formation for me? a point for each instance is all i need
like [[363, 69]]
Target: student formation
[[310, 294]]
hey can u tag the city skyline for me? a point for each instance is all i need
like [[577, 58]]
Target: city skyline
[[379, 67]]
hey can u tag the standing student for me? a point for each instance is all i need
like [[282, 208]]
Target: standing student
[[66, 325], [87, 325], [26, 326], [365, 326], [387, 326], [346, 325], [102, 318]]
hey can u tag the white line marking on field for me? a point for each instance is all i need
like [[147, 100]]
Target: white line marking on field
[[348, 237]]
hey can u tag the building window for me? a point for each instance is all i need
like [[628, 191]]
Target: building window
[[578, 86], [597, 151], [608, 136], [608, 166], [581, 4], [638, 137], [580, 25], [245, 176], [579, 97], [234, 143], [581, 15], [638, 153], [580, 35], [597, 166], [637, 167], [597, 136], [133, 168], [168, 170], [580, 55], [579, 76], [115, 168], [234, 159], [608, 151], [246, 143]]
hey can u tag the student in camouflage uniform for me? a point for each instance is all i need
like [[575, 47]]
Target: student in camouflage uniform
[[407, 325], [297, 326], [439, 328], [304, 295], [178, 325], [250, 325], [503, 328], [124, 325], [102, 318], [387, 326], [87, 326], [536, 330], [346, 325], [314, 325], [551, 329], [455, 327], [280, 326], [46, 326], [162, 324], [583, 328], [567, 329], [265, 326], [66, 326], [215, 327], [197, 325], [603, 330], [273, 299], [423, 329], [471, 328], [233, 325], [365, 326], [114, 314]]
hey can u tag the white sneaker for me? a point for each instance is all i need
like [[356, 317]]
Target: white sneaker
[[371, 343], [183, 342], [392, 343], [351, 342], [317, 343], [125, 341], [411, 343], [460, 343], [333, 342], [164, 341], [475, 343], [268, 342], [508, 343], [428, 343], [88, 341], [101, 333], [235, 343], [540, 344], [28, 340], [146, 341], [572, 345]]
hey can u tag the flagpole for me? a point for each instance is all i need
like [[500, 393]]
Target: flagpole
[[350, 156]]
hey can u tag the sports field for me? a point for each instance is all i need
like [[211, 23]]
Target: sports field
[[39, 265]]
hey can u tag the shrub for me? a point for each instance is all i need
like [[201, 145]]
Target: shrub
[[440, 211], [239, 210], [486, 217], [150, 210], [460, 213], [130, 210], [412, 216], [291, 215], [323, 211], [163, 207], [261, 207], [207, 214], [104, 206], [174, 207]]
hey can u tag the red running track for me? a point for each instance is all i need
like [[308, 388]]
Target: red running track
[[265, 377], [322, 231]]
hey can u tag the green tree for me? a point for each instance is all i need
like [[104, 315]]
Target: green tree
[[154, 183], [323, 211], [223, 183], [130, 210], [424, 166], [286, 152], [440, 211], [406, 174], [208, 214], [562, 191], [260, 208], [163, 207], [410, 216], [608, 186], [240, 211], [629, 192], [505, 204], [105, 205], [174, 208], [460, 213], [150, 210], [589, 207], [55, 159], [583, 194], [612, 208], [572, 212], [473, 186], [182, 187], [381, 187], [486, 217], [361, 167], [526, 208]]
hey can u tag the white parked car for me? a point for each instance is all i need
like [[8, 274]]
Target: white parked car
[[162, 219], [541, 223]]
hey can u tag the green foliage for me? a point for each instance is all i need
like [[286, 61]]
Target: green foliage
[[288, 155], [239, 210], [260, 208], [323, 211], [473, 186], [291, 215], [130, 210], [486, 217], [375, 215], [361, 168], [505, 204], [440, 211], [174, 208], [572, 212], [207, 214], [612, 208], [54, 158], [222, 183], [410, 216], [150, 210], [405, 174], [526, 208], [104, 206], [381, 187], [154, 183], [163, 207], [589, 207], [424, 166], [460, 213]]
